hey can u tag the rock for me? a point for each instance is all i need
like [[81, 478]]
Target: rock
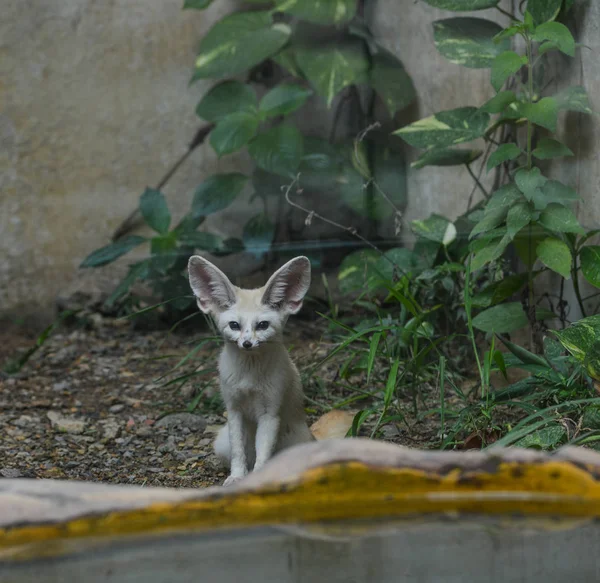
[[66, 424], [182, 420], [10, 473], [62, 386], [169, 445], [116, 408], [24, 421], [110, 429], [390, 431]]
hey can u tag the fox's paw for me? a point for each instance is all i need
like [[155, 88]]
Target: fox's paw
[[232, 480]]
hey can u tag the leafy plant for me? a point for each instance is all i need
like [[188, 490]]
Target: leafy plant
[[171, 247], [530, 213], [291, 53]]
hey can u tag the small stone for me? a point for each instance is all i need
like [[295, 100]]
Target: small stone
[[62, 386], [182, 420], [23, 421], [10, 473], [116, 408], [390, 431], [66, 424], [110, 429], [143, 432], [169, 445]]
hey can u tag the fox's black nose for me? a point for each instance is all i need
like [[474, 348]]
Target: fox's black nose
[[247, 344]]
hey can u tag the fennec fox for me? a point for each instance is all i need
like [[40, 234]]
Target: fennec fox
[[259, 383]]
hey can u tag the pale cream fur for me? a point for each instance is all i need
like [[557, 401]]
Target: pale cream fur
[[259, 383]]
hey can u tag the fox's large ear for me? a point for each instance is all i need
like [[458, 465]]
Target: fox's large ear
[[210, 285], [287, 287]]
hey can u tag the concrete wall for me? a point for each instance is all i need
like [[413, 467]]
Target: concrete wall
[[95, 105]]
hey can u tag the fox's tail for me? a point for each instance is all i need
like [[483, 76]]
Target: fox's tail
[[333, 425]]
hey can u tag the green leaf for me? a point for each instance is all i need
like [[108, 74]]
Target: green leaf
[[558, 218], [233, 132], [463, 5], [391, 82], [490, 220], [524, 355], [528, 181], [357, 269], [505, 196], [555, 191], [226, 98], [164, 252], [505, 65], [510, 32], [590, 264], [499, 291], [518, 217], [199, 240], [573, 98], [319, 11], [543, 113], [278, 150], [526, 241], [155, 211], [502, 154], [544, 439], [548, 148], [468, 41], [136, 271], [112, 252], [489, 252], [501, 319], [558, 34], [217, 192], [499, 102], [555, 255], [332, 67], [582, 340], [284, 99], [446, 128], [238, 42], [446, 157], [258, 235], [196, 4], [286, 59], [435, 228], [543, 10]]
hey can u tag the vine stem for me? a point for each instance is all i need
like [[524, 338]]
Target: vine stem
[[531, 295], [485, 193], [311, 214], [576, 286], [505, 12]]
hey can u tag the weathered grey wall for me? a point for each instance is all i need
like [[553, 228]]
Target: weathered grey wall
[[95, 105]]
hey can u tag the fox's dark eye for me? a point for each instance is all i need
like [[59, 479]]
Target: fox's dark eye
[[262, 325], [234, 325]]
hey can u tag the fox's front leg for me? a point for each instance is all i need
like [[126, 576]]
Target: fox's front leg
[[267, 431], [239, 468]]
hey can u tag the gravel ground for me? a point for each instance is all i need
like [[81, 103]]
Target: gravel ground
[[93, 404], [87, 407]]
